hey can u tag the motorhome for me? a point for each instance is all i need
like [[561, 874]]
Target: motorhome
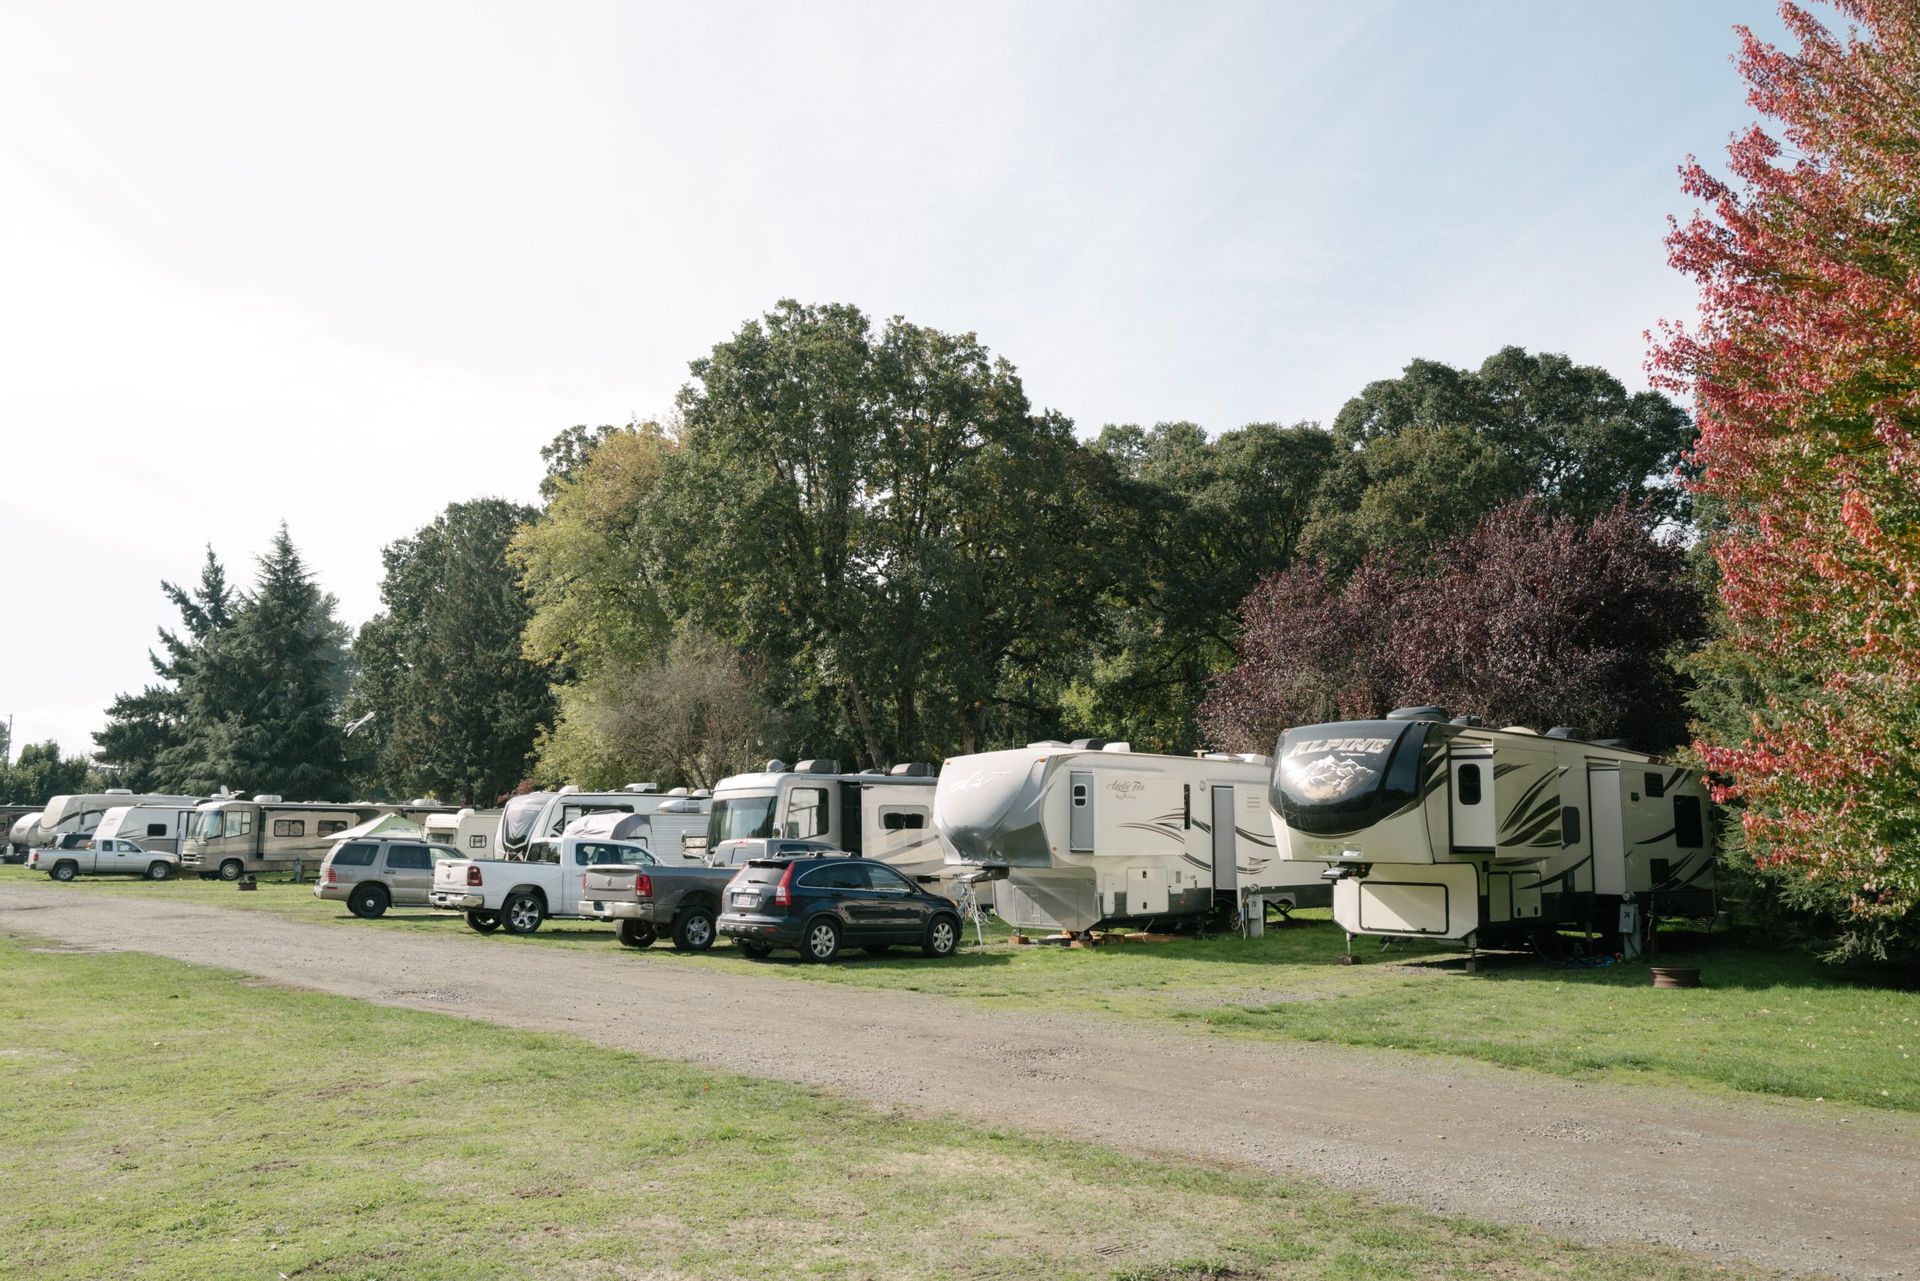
[[82, 813], [470, 831], [233, 837], [1091, 832], [885, 815], [157, 828], [1436, 828], [558, 810]]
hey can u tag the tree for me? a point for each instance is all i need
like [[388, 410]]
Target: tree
[[1407, 493], [440, 669], [567, 453], [145, 736], [1805, 372], [1522, 620], [42, 773], [264, 690]]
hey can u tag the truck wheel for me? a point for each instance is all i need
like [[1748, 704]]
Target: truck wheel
[[693, 930], [637, 934], [522, 913], [822, 941], [368, 902], [159, 871], [232, 870], [757, 951], [64, 871], [483, 922], [942, 936]]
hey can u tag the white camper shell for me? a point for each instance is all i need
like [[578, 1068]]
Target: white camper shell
[[1430, 828], [884, 815], [674, 834], [1092, 832], [82, 812], [158, 829], [531, 826], [232, 838]]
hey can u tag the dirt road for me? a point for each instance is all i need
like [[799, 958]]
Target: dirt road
[[1788, 1185]]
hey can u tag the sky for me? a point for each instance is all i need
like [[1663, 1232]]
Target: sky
[[342, 264]]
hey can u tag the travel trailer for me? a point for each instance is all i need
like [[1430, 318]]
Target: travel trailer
[[1092, 832], [232, 837], [1437, 828], [882, 815], [82, 813], [557, 811], [20, 834], [158, 829], [674, 833], [470, 831]]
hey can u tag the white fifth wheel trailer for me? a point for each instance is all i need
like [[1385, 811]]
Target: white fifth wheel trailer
[[886, 815], [158, 829], [232, 837], [1430, 828], [82, 812], [20, 834], [1092, 832]]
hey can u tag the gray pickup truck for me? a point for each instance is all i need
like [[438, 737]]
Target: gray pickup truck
[[678, 901]]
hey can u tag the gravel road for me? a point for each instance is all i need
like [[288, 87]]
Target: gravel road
[[1787, 1185]]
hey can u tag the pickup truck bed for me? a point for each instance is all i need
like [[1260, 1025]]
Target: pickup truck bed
[[680, 902]]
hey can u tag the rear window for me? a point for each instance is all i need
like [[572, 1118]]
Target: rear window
[[762, 873], [355, 855]]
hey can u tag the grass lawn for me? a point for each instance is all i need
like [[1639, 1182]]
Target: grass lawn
[[164, 1121], [1767, 1021]]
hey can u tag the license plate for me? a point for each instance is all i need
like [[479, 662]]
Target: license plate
[[745, 900]]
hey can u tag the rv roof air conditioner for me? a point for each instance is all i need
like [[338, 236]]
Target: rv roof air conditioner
[[824, 765], [1467, 722], [1046, 742], [775, 767], [1417, 714], [679, 791], [569, 789], [1117, 747], [1255, 758], [640, 787], [701, 793], [1088, 744], [118, 791], [265, 798], [1564, 731], [912, 769]]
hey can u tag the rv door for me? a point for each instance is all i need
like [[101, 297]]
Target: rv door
[[1470, 800], [1605, 821], [1080, 824], [1226, 843]]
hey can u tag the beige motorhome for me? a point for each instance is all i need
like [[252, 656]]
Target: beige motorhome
[[233, 837]]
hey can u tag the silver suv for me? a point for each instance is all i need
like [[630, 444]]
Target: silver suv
[[373, 873]]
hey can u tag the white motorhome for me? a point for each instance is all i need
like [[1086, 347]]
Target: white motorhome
[[1091, 832], [885, 815], [1430, 828], [232, 837], [155, 828], [82, 812], [554, 812]]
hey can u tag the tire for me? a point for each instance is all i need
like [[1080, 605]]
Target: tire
[[159, 871], [637, 934], [876, 949], [755, 951], [483, 922], [522, 913], [943, 936], [64, 871], [232, 870], [821, 942], [368, 902], [693, 930]]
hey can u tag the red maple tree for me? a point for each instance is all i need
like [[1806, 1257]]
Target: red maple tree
[[1804, 366]]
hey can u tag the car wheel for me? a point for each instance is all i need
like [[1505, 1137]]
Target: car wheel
[[875, 949], [822, 940], [637, 934], [757, 951], [943, 935], [159, 871], [522, 913], [64, 872], [232, 870], [693, 930], [368, 902], [483, 922]]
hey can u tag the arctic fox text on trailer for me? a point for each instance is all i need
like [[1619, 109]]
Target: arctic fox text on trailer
[[232, 837], [1448, 829], [1090, 832], [886, 816]]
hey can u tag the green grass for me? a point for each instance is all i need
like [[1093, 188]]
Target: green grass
[[1768, 1021], [167, 1121]]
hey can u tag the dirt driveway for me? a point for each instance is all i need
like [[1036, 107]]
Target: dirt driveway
[[1790, 1185]]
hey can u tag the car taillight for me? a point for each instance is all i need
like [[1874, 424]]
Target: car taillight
[[783, 892], [473, 876], [643, 886], [331, 878]]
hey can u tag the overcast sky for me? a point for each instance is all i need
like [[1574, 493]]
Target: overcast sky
[[341, 264]]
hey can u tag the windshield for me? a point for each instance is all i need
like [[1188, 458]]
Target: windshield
[[739, 818], [1329, 780], [207, 826], [516, 820]]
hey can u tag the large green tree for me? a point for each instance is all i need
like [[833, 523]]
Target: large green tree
[[42, 772], [144, 742], [455, 705]]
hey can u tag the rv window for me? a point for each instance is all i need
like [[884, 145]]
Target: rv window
[[1186, 805], [156, 829], [807, 812], [1656, 786], [358, 854], [1469, 784], [1688, 831], [903, 820], [209, 828], [289, 827], [1079, 795], [477, 841], [328, 826], [1569, 825], [239, 824], [409, 857]]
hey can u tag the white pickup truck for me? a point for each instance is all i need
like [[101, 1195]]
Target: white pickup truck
[[518, 894], [88, 856]]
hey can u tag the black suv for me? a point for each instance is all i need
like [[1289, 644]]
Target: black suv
[[819, 905]]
